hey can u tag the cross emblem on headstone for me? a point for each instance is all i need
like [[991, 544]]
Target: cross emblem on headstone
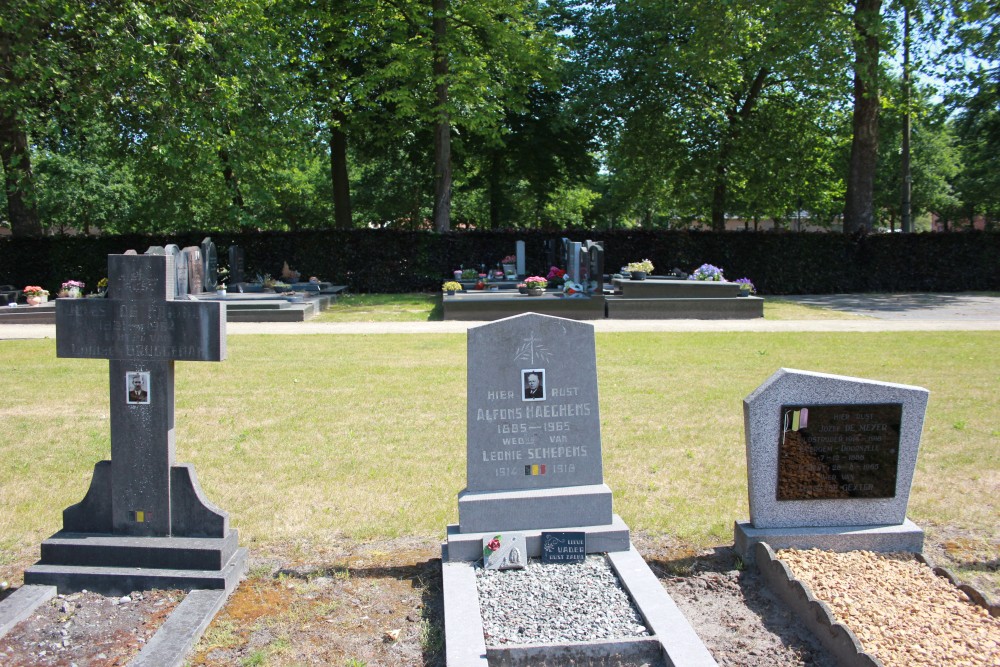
[[142, 330]]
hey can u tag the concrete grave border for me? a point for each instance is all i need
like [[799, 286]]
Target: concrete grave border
[[676, 640]]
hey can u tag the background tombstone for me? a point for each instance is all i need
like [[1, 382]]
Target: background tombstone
[[237, 264], [521, 264], [144, 522], [196, 277], [211, 269], [534, 463], [180, 270], [830, 462], [595, 268]]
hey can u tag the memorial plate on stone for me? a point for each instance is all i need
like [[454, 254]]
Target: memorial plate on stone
[[564, 547], [504, 551], [829, 452]]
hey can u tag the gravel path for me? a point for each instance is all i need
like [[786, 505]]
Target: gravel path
[[556, 603], [902, 612]]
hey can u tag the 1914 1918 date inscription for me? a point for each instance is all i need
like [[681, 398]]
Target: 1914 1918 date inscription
[[838, 451]]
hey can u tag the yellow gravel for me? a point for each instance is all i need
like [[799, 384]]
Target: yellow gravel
[[903, 614]]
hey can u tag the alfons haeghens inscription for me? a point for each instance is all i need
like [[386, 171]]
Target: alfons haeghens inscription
[[533, 421], [838, 451]]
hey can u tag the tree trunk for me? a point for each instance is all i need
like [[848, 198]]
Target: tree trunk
[[342, 216], [232, 183], [729, 139], [19, 182], [859, 208], [442, 126]]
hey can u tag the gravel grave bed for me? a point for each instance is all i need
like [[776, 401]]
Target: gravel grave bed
[[87, 628], [556, 602], [901, 612]]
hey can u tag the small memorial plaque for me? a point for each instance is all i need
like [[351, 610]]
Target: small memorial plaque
[[564, 547], [829, 452], [505, 551]]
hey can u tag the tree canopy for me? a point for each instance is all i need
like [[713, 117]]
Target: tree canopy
[[491, 114]]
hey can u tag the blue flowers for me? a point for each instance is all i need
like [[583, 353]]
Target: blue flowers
[[707, 272]]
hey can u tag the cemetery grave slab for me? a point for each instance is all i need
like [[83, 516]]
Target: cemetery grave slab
[[533, 465], [830, 463]]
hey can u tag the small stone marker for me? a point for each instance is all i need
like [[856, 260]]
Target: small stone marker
[[830, 462], [140, 493], [211, 260], [505, 551], [564, 547]]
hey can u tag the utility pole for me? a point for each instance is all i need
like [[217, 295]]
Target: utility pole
[[907, 182]]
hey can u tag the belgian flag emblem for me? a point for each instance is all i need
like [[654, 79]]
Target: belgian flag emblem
[[533, 470]]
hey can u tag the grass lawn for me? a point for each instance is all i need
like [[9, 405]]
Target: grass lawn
[[303, 438], [423, 307]]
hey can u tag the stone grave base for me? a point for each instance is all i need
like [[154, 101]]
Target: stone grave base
[[613, 536], [903, 537], [673, 640], [116, 565], [587, 505]]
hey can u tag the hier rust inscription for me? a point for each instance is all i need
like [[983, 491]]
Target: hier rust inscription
[[829, 452]]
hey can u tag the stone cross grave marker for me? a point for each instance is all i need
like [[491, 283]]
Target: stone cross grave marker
[[830, 462], [142, 331], [211, 259], [533, 433]]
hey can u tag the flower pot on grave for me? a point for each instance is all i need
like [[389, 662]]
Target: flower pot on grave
[[74, 293], [535, 291], [450, 292], [34, 300], [638, 275], [510, 269]]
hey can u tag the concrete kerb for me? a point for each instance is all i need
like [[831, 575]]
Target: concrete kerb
[[183, 628], [18, 605]]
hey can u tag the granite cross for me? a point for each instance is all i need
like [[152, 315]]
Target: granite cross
[[142, 330]]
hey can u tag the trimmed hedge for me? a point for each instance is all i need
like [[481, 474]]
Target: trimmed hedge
[[389, 261]]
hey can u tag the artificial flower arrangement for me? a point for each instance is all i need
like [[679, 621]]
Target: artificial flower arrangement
[[746, 285], [102, 284], [709, 273], [35, 290], [451, 286], [556, 275], [509, 259], [645, 266], [72, 288], [535, 282]]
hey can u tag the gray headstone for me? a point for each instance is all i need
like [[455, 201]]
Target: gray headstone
[[211, 265], [180, 269], [521, 263], [143, 493], [533, 427], [828, 450], [237, 264], [512, 430], [196, 276], [595, 255], [156, 250]]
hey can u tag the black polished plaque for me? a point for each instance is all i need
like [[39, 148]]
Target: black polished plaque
[[830, 452], [564, 547]]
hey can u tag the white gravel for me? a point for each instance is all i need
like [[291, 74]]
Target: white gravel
[[546, 603]]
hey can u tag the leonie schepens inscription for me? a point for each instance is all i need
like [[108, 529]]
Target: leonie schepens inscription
[[828, 452], [533, 412]]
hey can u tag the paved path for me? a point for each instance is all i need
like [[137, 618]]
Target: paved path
[[884, 312]]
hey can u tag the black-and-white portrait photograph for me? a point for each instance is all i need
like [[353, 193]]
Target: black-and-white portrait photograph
[[534, 384], [137, 387]]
